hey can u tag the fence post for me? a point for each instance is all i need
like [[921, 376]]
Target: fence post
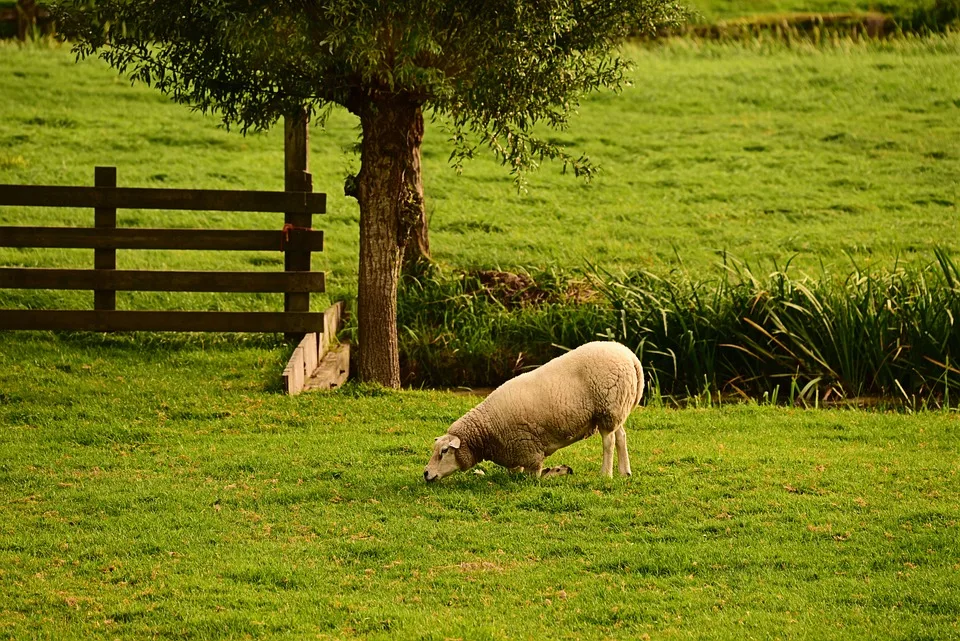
[[105, 218], [26, 18], [296, 178]]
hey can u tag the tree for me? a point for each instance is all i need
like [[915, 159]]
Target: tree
[[493, 70]]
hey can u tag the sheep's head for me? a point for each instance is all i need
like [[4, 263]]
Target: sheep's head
[[444, 460]]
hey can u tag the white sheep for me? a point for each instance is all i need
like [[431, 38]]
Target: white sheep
[[592, 388]]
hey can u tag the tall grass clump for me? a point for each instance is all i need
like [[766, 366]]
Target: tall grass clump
[[889, 334], [937, 16], [478, 329]]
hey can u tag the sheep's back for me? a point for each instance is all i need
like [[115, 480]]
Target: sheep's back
[[562, 400]]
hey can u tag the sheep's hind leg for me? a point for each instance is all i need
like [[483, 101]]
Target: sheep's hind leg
[[623, 459], [606, 468]]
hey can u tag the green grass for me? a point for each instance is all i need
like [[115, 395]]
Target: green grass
[[735, 332], [763, 151], [161, 486], [162, 489], [714, 10]]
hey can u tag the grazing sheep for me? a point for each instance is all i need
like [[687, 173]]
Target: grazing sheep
[[528, 418]]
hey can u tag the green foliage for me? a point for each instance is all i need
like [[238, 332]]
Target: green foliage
[[889, 334], [171, 492], [456, 330], [933, 15], [869, 334], [495, 69]]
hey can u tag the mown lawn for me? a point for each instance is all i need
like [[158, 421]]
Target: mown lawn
[[163, 489]]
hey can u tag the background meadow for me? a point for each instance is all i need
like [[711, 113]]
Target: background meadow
[[831, 154]]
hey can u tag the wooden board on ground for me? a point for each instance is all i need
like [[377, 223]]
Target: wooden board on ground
[[293, 372], [333, 370], [318, 362]]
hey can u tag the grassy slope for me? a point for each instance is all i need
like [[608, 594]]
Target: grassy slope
[[765, 153], [713, 10], [156, 490]]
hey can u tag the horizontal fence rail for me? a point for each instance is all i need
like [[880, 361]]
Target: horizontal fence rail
[[156, 198], [160, 281], [300, 240], [297, 240], [161, 321]]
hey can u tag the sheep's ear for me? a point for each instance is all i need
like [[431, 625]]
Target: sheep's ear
[[455, 443]]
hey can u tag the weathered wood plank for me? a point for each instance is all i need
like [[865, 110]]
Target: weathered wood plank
[[293, 373], [154, 321], [154, 198], [296, 150], [332, 371], [160, 281], [331, 325], [193, 239], [309, 345]]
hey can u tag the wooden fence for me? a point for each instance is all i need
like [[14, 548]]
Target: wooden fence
[[297, 239], [22, 18]]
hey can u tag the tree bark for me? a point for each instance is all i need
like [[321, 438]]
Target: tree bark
[[417, 246], [26, 18], [390, 134]]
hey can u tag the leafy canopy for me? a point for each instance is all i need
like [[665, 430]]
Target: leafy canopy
[[494, 69]]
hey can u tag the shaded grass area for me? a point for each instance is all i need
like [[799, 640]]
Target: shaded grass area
[[163, 490]]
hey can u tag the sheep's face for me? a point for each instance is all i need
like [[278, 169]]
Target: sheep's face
[[444, 459]]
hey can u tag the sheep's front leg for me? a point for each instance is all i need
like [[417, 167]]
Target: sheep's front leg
[[606, 468], [623, 459], [533, 470], [538, 471]]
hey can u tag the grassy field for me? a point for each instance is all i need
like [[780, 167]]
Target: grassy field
[[822, 154], [714, 10], [162, 486], [162, 490]]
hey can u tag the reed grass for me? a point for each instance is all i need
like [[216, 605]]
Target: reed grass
[[781, 336]]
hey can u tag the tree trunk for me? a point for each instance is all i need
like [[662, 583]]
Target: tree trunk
[[417, 247], [390, 134], [26, 18]]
